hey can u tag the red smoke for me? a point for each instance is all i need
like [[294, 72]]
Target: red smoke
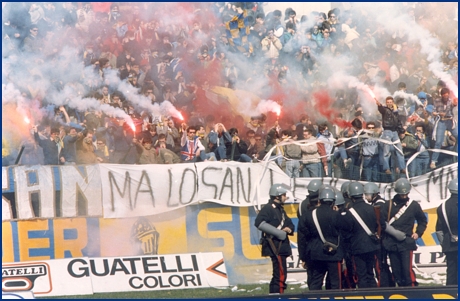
[[323, 104]]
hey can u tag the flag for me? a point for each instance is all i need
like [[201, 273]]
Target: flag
[[238, 30]]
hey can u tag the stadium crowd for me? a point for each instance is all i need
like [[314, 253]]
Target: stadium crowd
[[175, 53]]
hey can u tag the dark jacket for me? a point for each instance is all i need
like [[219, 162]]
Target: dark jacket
[[50, 150], [328, 221], [69, 152], [441, 225], [272, 213], [360, 241], [303, 244], [405, 223], [121, 142], [240, 148], [390, 119], [306, 205], [378, 201]]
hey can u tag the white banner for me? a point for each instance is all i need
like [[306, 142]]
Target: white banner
[[143, 190], [119, 191], [428, 189], [147, 273], [43, 278]]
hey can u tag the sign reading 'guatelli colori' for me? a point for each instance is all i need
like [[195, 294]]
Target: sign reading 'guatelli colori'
[[86, 275], [146, 273]]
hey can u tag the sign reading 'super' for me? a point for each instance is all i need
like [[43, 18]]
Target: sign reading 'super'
[[146, 273]]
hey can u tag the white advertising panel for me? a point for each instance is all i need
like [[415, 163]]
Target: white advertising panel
[[18, 295], [148, 273], [43, 278]]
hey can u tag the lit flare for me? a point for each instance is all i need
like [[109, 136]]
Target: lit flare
[[278, 111], [371, 93], [133, 127]]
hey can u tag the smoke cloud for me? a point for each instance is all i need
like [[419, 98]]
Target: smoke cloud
[[291, 84]]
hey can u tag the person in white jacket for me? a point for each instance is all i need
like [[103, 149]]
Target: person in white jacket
[[271, 45]]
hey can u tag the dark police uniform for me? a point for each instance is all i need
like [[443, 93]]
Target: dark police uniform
[[348, 280], [382, 269], [364, 248], [273, 213], [450, 248], [303, 243], [321, 262], [401, 253]]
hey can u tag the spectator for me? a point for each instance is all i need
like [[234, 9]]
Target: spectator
[[422, 160], [328, 141], [409, 147], [102, 151], [122, 145], [191, 146], [444, 122], [237, 148], [169, 130], [391, 123], [166, 156], [218, 138], [370, 155], [201, 133], [313, 154], [352, 149], [271, 45], [48, 144], [293, 154], [32, 43], [85, 148], [69, 152], [147, 154]]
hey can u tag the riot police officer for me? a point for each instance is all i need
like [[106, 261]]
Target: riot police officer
[[349, 281], [273, 221], [312, 198], [325, 252], [344, 190], [360, 220], [310, 203], [447, 231], [382, 269], [401, 214], [371, 194], [339, 204]]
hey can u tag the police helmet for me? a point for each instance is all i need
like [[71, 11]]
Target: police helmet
[[453, 186], [314, 185], [344, 188], [324, 186], [278, 189], [371, 188], [339, 200], [402, 186], [355, 189], [327, 195]]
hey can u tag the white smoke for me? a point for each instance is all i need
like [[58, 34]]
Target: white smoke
[[266, 106], [408, 96]]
